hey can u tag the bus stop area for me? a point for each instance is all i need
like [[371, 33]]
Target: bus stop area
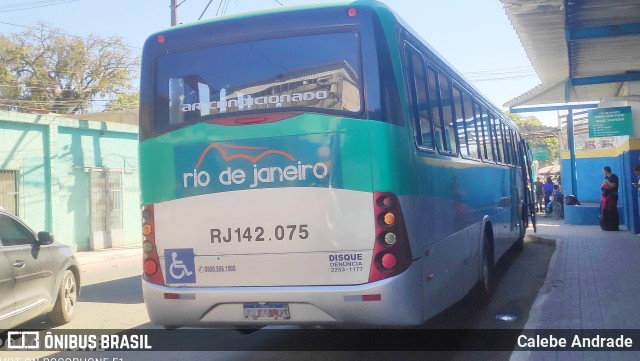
[[592, 283], [586, 55]]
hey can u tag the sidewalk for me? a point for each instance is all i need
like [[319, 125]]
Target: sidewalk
[[108, 253], [593, 282]]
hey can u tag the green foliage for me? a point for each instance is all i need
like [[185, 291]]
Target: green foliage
[[124, 101], [44, 69], [535, 133]]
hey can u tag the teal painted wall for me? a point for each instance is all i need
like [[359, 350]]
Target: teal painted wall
[[53, 156], [22, 148]]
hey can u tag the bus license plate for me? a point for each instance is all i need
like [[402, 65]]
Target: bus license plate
[[266, 311]]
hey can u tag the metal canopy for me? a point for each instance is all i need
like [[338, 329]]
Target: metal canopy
[[582, 50]]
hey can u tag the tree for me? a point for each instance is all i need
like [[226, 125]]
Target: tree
[[44, 69], [124, 101], [537, 134]]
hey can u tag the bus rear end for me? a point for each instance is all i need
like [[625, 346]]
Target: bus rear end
[[270, 174]]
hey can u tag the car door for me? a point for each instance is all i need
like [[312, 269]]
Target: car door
[[31, 267], [7, 303]]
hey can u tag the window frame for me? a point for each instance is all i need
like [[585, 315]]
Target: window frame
[[446, 142], [413, 97], [462, 118], [486, 123]]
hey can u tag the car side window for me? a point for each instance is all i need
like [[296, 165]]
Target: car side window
[[12, 233]]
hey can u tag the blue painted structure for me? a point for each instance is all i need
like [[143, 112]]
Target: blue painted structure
[[52, 157], [586, 213], [589, 175]]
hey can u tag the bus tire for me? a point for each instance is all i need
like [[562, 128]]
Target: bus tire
[[486, 284]]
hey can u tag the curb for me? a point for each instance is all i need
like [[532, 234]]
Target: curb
[[539, 239]]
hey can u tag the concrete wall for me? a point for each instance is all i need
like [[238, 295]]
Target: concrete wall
[[118, 116], [53, 156]]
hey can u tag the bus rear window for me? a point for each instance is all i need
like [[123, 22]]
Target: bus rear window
[[320, 73]]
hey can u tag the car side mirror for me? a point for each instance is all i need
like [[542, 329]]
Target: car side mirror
[[45, 238]]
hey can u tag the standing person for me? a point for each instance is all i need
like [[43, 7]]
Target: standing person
[[636, 170], [539, 195], [609, 201], [557, 208], [548, 191], [636, 184]]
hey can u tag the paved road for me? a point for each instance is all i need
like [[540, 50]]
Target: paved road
[[111, 298]]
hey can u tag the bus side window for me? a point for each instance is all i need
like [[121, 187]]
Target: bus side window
[[507, 144], [419, 89], [502, 141], [517, 150], [446, 103], [460, 121], [486, 135], [471, 132], [482, 151], [497, 138], [435, 110]]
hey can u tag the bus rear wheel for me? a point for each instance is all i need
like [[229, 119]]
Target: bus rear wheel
[[486, 284]]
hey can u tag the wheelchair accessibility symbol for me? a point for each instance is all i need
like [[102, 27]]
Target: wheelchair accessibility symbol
[[179, 265]]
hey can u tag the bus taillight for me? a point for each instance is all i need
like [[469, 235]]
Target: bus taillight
[[151, 262], [150, 267], [391, 253]]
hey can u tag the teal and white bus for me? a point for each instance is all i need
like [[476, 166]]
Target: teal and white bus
[[318, 165]]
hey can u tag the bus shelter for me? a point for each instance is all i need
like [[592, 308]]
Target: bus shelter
[[587, 55]]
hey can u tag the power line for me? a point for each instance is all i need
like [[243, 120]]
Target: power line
[[219, 5], [509, 69], [477, 80], [24, 87], [55, 102], [226, 6], [63, 33], [32, 5], [205, 9]]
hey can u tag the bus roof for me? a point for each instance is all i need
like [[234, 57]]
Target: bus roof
[[369, 3]]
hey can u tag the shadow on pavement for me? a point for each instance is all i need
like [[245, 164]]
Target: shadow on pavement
[[124, 291]]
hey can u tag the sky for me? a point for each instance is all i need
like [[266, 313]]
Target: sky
[[475, 36]]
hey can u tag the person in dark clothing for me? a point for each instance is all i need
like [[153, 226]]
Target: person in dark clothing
[[548, 191], [539, 195], [557, 208], [636, 184], [609, 201]]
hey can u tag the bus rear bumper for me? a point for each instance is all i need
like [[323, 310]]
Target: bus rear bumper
[[399, 303]]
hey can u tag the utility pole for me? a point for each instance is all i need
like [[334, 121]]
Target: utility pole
[[174, 13]]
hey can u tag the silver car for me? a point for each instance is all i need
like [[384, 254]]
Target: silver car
[[37, 275]]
